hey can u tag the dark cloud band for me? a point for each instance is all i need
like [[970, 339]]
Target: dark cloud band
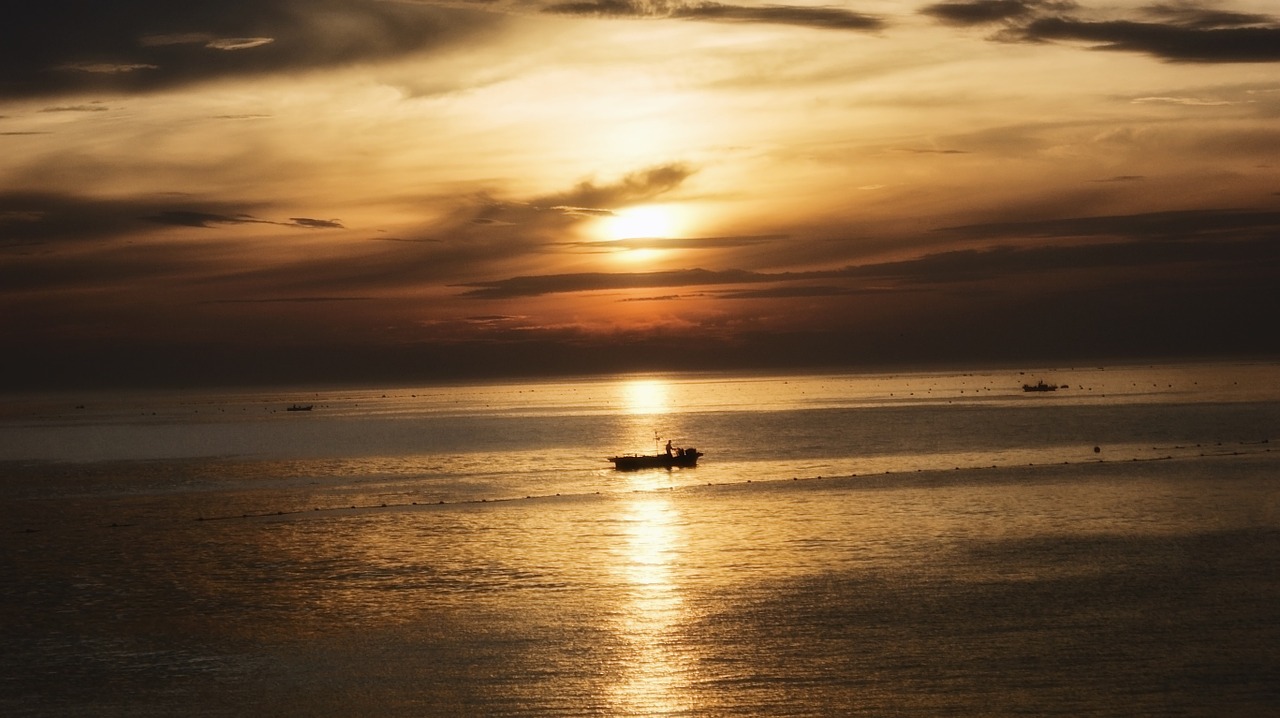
[[1168, 42], [1234, 238], [829, 18], [1176, 33], [66, 46]]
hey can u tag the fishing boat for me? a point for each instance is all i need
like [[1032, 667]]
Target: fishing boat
[[1039, 386], [673, 457], [299, 407]]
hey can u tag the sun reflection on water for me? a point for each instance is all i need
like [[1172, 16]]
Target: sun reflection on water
[[654, 674], [645, 396], [644, 402]]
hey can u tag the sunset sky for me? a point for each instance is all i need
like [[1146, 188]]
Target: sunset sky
[[365, 190]]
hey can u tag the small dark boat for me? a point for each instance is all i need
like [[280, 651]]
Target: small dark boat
[[672, 458], [299, 407], [1039, 386]]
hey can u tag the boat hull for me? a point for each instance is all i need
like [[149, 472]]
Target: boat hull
[[688, 459]]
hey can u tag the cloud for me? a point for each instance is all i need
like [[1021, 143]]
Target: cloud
[[190, 218], [1185, 268], [1129, 245], [177, 38], [1188, 15], [640, 186], [532, 286], [588, 198], [984, 12], [77, 46], [662, 298], [790, 291], [205, 40], [1237, 238], [1183, 101], [309, 223], [584, 211], [681, 242], [828, 18], [480, 233], [1230, 242], [60, 217], [77, 108], [410, 240], [938, 269], [1150, 225], [1176, 33], [64, 217], [238, 43], [493, 319], [929, 151], [1173, 42], [107, 68], [288, 300]]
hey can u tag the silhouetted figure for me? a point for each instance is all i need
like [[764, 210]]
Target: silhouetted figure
[[668, 447]]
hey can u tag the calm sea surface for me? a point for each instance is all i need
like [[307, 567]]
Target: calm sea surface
[[915, 544]]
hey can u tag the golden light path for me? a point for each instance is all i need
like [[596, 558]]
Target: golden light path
[[655, 671], [645, 401]]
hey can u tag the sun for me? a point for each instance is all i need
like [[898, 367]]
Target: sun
[[648, 221], [640, 231]]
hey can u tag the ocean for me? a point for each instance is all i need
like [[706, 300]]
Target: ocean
[[883, 544]]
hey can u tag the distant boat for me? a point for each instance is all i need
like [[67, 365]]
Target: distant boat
[[672, 458], [299, 407], [1039, 386]]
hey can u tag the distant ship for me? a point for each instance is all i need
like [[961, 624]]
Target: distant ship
[[299, 407], [1039, 386], [672, 458]]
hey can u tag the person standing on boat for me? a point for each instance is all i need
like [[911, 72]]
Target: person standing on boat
[[668, 447]]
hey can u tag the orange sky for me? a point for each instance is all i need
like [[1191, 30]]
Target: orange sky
[[361, 190]]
